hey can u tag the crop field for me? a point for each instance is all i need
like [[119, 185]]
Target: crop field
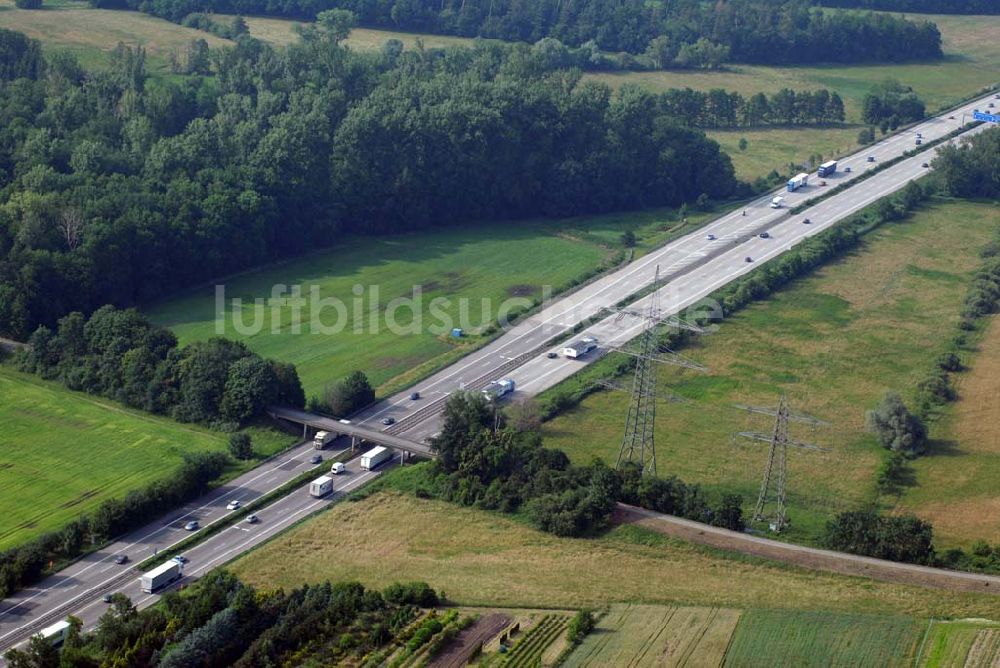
[[484, 559], [63, 453], [824, 342], [823, 640], [957, 491], [89, 33], [653, 635], [476, 270], [970, 643]]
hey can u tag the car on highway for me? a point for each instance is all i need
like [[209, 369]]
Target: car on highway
[[191, 526], [252, 519], [121, 559], [806, 221], [871, 158], [918, 142], [414, 396], [316, 459], [748, 259], [180, 559], [552, 354], [711, 237], [388, 421], [847, 170], [764, 235], [233, 505], [337, 468], [822, 183], [924, 165], [991, 105], [106, 598], [951, 118]]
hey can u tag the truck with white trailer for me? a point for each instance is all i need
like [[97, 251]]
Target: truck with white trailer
[[827, 168], [499, 388], [580, 348], [374, 457], [321, 486], [798, 181], [160, 577], [322, 439], [55, 634]]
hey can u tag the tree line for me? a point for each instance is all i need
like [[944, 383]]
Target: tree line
[[754, 31], [120, 355], [119, 190], [721, 109], [922, 6], [221, 621], [485, 462]]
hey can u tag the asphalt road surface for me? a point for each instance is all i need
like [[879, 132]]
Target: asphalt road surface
[[692, 266]]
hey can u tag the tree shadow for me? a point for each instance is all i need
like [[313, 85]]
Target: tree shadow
[[941, 447]]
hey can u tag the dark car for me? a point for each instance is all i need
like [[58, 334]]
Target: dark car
[[764, 235], [414, 396], [806, 221], [925, 165], [388, 421], [552, 354], [316, 459], [748, 259], [871, 158], [121, 559], [106, 598], [180, 559]]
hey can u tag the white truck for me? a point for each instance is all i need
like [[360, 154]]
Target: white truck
[[321, 486], [580, 348], [322, 439], [498, 389], [798, 181], [56, 634], [776, 202], [374, 457], [160, 577]]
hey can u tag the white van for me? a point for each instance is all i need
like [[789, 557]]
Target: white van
[[337, 468]]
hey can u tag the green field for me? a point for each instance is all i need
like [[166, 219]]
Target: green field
[[970, 643], [824, 342], [91, 33], [773, 149], [477, 269], [65, 452], [823, 640], [481, 558]]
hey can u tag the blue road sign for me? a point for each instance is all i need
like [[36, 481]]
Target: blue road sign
[[989, 118]]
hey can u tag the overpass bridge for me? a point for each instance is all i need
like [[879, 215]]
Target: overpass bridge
[[356, 432]]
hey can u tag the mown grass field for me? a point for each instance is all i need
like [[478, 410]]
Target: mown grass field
[[965, 642], [485, 559], [773, 149], [823, 640], [477, 270], [91, 33], [62, 453], [834, 342], [654, 635], [957, 489]]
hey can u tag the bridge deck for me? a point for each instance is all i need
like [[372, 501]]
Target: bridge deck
[[329, 424]]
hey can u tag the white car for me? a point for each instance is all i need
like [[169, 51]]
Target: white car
[[233, 505]]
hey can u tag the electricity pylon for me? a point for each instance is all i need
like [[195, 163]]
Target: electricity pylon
[[771, 501], [638, 447]]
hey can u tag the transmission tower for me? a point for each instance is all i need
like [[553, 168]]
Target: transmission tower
[[638, 446], [771, 503]]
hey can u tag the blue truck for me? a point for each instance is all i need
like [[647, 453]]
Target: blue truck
[[827, 168]]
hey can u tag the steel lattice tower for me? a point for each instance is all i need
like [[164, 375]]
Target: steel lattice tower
[[638, 444], [774, 494]]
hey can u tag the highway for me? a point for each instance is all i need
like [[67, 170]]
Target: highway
[[693, 267]]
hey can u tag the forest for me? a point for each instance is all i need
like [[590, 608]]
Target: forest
[[120, 189], [751, 31], [923, 6]]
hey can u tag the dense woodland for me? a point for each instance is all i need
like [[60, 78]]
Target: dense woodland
[[924, 6], [692, 32], [119, 189], [220, 621]]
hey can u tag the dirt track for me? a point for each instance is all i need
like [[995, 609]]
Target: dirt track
[[468, 640], [807, 557]]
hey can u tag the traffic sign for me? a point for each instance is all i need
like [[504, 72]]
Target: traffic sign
[[989, 118]]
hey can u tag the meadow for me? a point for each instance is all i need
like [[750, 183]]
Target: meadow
[[834, 343], [956, 487], [477, 269], [484, 559], [91, 33], [972, 643], [64, 452]]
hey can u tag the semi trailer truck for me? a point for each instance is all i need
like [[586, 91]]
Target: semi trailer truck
[[374, 457], [160, 577], [322, 439], [827, 168], [321, 486], [797, 181], [498, 389]]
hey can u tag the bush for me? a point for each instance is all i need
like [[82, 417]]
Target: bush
[[414, 593], [898, 538], [350, 394], [580, 626], [897, 428], [28, 4], [240, 445]]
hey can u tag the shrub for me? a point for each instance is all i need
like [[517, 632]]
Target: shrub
[[240, 445]]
